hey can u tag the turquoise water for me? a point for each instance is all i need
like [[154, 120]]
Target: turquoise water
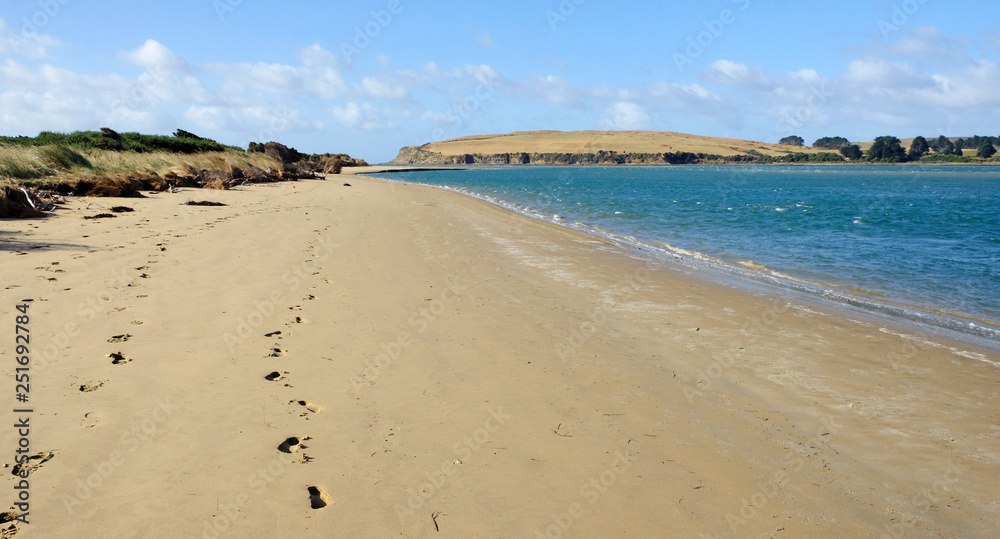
[[919, 242]]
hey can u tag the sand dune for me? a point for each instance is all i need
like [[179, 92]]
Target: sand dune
[[389, 360]]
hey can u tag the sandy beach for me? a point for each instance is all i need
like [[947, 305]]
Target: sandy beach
[[392, 360]]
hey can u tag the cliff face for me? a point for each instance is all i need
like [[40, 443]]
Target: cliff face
[[416, 155]]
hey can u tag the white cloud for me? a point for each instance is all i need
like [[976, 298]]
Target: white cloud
[[483, 74], [317, 56], [361, 117], [550, 89], [27, 42], [625, 116], [927, 44], [383, 89], [732, 73], [153, 55], [485, 39]]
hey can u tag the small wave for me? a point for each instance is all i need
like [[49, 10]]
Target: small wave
[[752, 265]]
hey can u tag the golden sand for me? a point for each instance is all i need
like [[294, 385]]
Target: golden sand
[[390, 360]]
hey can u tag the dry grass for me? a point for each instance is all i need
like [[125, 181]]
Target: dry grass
[[618, 141], [44, 165]]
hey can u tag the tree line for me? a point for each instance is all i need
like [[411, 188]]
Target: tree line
[[889, 149]]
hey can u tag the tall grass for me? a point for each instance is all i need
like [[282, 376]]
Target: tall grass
[[56, 163]]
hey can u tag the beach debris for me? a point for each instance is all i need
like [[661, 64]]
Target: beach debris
[[558, 428], [92, 385], [293, 444], [122, 209], [434, 518], [319, 498], [203, 203], [101, 216]]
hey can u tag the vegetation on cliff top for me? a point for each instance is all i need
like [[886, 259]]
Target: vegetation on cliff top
[[107, 163], [664, 148]]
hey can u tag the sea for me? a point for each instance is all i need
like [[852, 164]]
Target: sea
[[916, 244]]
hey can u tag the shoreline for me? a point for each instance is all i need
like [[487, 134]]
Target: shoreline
[[947, 324], [439, 355]]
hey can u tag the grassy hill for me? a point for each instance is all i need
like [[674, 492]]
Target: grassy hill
[[583, 142]]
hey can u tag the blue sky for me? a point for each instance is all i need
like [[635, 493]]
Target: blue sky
[[368, 77]]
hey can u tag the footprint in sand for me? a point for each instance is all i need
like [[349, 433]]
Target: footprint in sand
[[293, 444], [118, 358], [272, 334], [311, 406], [137, 322], [92, 385], [276, 352], [33, 463], [300, 320], [120, 338], [91, 419], [319, 498], [10, 531], [275, 376]]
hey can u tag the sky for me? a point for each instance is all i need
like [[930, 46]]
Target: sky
[[368, 77]]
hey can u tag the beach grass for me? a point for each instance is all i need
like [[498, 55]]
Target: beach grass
[[57, 163]]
